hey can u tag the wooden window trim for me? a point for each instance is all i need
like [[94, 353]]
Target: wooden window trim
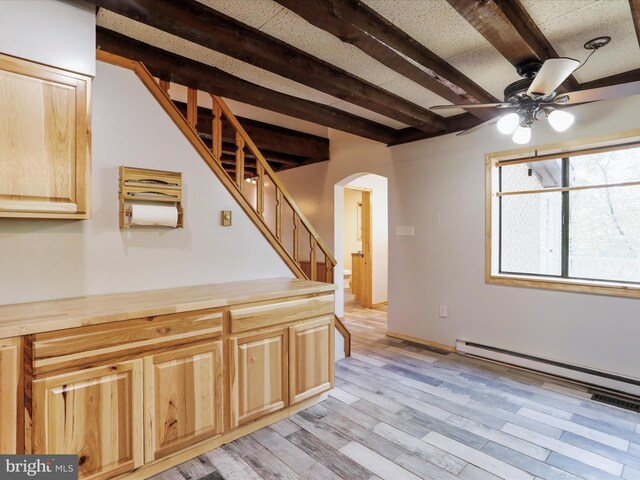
[[492, 161]]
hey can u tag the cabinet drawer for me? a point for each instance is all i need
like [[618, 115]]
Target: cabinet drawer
[[267, 315], [96, 344]]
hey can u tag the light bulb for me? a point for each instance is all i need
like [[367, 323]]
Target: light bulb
[[508, 123], [560, 120], [522, 135]]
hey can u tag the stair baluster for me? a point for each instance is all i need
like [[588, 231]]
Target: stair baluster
[[239, 160]]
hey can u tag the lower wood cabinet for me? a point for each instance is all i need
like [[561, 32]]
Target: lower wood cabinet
[[10, 391], [126, 396], [258, 375], [183, 398], [310, 358], [96, 413]]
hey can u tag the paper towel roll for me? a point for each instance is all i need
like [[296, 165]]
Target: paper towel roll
[[166, 216]]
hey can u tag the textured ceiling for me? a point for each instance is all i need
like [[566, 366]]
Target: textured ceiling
[[567, 24]]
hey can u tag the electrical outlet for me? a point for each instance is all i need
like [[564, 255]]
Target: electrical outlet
[[443, 311]]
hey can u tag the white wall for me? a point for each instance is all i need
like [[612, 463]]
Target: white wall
[[379, 233], [45, 259], [438, 186], [60, 33]]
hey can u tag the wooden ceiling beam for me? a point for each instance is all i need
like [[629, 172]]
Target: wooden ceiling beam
[[635, 13], [454, 124], [617, 79], [267, 137], [355, 23], [510, 29], [200, 24], [187, 72]]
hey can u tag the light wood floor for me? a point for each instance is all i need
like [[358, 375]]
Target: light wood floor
[[401, 411]]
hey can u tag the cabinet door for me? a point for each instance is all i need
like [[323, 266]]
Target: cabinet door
[[95, 413], [310, 358], [44, 140], [10, 381], [258, 375], [183, 398]]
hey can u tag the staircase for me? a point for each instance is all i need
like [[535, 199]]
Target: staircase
[[249, 179]]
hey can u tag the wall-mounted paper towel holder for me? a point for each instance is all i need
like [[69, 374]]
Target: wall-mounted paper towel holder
[[149, 189]]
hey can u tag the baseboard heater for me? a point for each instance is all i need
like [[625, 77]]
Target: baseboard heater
[[567, 371]]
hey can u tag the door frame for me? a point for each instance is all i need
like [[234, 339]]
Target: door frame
[[367, 242]]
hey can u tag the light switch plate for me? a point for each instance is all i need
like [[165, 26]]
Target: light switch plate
[[225, 218], [405, 231], [444, 311]]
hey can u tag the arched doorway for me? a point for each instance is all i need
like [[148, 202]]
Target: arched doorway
[[369, 246]]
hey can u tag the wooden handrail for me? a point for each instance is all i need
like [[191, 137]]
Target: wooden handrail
[[213, 158], [254, 150], [346, 334]]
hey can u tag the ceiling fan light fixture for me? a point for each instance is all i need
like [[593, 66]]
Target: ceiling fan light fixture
[[560, 120], [522, 135], [508, 123]]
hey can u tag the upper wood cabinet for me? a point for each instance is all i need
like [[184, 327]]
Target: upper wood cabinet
[[183, 398], [45, 146], [258, 373], [310, 358], [10, 391], [95, 413]]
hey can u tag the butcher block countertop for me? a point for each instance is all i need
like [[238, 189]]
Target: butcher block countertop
[[29, 318]]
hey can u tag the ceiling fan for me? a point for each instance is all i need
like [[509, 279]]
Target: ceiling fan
[[535, 96]]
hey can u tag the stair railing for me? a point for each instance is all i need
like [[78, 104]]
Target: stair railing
[[289, 232], [301, 258]]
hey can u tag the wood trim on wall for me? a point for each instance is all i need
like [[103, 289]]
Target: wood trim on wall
[[492, 160], [367, 249], [421, 341]]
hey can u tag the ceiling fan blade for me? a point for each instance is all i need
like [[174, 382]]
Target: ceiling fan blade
[[553, 72], [472, 105], [478, 127], [601, 93]]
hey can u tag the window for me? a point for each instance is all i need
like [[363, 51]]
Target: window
[[571, 219]]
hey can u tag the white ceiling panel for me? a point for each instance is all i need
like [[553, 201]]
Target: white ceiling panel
[[196, 52], [287, 26], [542, 11], [488, 68], [368, 114], [433, 23], [294, 30], [413, 92], [569, 29], [250, 12]]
